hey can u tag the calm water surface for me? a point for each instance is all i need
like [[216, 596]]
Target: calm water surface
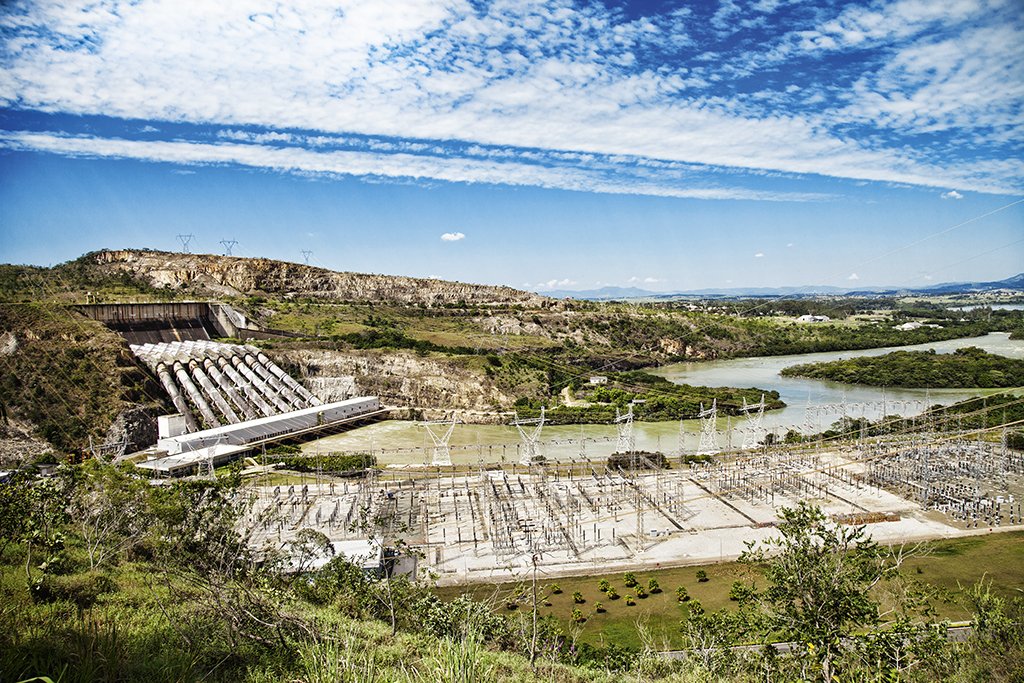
[[811, 405]]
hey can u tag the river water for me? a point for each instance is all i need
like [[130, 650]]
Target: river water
[[812, 405]]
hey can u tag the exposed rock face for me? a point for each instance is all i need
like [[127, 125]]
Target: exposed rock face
[[399, 378], [19, 444], [133, 429], [228, 275]]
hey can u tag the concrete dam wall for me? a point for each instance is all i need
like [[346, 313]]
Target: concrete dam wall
[[153, 323]]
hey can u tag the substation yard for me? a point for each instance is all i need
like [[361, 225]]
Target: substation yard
[[488, 525]]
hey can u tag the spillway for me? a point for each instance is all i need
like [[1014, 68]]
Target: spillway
[[213, 384]]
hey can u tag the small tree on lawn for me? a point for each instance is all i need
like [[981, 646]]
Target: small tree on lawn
[[577, 598], [702, 575], [629, 578], [682, 595], [653, 587], [820, 575], [603, 585]]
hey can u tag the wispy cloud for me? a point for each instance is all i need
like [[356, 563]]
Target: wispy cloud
[[576, 96]]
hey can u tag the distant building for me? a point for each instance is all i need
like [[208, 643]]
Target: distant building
[[813, 319], [914, 325], [599, 379]]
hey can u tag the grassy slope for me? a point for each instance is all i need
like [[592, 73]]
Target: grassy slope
[[951, 565], [70, 376]]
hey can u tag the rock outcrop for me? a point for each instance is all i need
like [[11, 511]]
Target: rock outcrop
[[425, 384], [235, 276]]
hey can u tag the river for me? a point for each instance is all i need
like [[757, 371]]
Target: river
[[811, 404]]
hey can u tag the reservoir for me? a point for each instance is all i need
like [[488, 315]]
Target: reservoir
[[811, 406]]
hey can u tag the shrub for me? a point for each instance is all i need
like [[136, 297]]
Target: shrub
[[682, 595], [603, 585], [629, 578], [599, 608], [556, 589], [740, 592], [653, 587], [640, 592], [577, 598], [702, 575], [613, 594], [577, 615], [630, 601], [80, 589]]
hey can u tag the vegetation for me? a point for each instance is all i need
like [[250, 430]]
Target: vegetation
[[104, 577], [968, 367], [69, 376]]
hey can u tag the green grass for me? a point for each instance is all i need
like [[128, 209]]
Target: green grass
[[950, 565]]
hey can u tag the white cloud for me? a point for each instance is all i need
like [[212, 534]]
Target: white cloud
[[453, 236], [759, 254], [304, 161], [853, 276], [789, 244], [527, 75], [952, 194]]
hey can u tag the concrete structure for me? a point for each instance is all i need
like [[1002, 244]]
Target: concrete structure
[[185, 453], [212, 384]]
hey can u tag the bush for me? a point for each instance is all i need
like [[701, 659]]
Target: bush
[[613, 594], [577, 598], [577, 616], [629, 578], [740, 592], [630, 601], [640, 592], [556, 589], [81, 590], [702, 575], [682, 595], [603, 585], [599, 608], [653, 586]]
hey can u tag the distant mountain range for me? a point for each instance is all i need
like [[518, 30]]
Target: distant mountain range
[[1015, 283]]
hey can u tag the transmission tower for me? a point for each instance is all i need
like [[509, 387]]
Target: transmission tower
[[306, 253], [186, 240], [708, 429], [228, 246], [442, 454], [531, 439], [752, 427], [626, 442]]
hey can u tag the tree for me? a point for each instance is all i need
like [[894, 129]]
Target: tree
[[820, 575], [702, 575]]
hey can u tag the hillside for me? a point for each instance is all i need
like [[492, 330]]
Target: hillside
[[428, 345], [220, 276]]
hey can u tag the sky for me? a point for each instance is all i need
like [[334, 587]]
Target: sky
[[539, 144]]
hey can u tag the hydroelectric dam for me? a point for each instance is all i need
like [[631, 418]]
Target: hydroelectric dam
[[229, 398]]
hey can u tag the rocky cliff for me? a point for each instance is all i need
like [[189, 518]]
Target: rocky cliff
[[234, 276], [432, 386]]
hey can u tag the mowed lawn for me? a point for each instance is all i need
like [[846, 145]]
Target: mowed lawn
[[949, 565]]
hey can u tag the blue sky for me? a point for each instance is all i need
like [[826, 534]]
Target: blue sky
[[537, 144]]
